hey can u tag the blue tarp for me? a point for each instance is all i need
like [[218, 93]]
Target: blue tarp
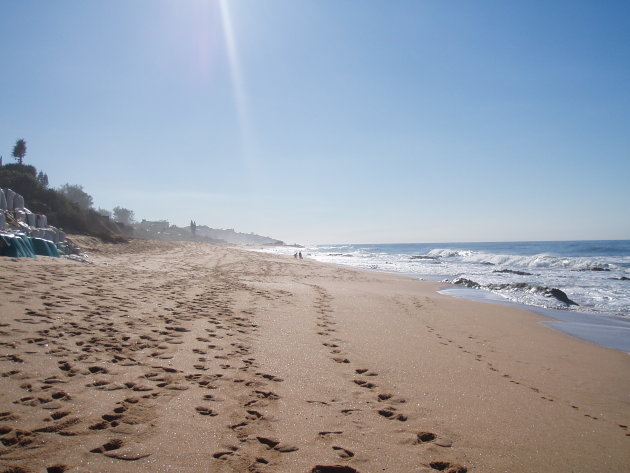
[[16, 246], [21, 246], [45, 247]]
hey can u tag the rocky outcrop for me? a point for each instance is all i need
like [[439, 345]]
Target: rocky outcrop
[[511, 271], [466, 283], [545, 291], [558, 294]]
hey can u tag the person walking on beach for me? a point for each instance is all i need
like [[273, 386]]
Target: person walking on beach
[[300, 254]]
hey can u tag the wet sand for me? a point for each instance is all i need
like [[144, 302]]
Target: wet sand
[[190, 357]]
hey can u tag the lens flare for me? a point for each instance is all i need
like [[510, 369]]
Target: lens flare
[[237, 81]]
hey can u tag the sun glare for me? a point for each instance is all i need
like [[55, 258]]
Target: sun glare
[[237, 78]]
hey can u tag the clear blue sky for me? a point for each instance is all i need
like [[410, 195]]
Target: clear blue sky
[[330, 121]]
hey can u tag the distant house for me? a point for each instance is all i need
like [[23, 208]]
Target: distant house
[[157, 226]]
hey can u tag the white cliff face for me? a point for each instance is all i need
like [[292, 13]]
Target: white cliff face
[[15, 217]]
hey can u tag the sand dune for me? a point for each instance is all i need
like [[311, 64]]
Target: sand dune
[[190, 357]]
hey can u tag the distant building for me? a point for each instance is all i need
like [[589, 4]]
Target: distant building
[[157, 226]]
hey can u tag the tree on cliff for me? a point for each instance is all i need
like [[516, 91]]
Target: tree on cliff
[[19, 150], [123, 215], [42, 178], [104, 212], [77, 195]]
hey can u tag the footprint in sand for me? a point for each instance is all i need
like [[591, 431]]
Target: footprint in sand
[[364, 384], [273, 444], [270, 377], [205, 411], [254, 415], [333, 469], [270, 443], [343, 453], [365, 372], [56, 469], [267, 395], [326, 433], [59, 415], [211, 397], [341, 360], [424, 437], [20, 438], [225, 453], [389, 413], [111, 445], [61, 396], [448, 467], [240, 425], [100, 426]]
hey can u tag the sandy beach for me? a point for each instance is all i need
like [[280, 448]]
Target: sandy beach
[[184, 357]]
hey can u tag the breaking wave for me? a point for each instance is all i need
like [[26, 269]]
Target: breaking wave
[[527, 261]]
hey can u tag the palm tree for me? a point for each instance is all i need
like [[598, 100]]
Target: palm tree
[[19, 150]]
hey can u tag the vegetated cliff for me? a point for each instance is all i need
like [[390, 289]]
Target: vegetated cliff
[[65, 214], [59, 211]]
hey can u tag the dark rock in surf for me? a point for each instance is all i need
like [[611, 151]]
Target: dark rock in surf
[[595, 268], [511, 271], [542, 290], [558, 294], [423, 257], [466, 283]]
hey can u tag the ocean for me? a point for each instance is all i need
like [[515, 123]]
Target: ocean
[[590, 279]]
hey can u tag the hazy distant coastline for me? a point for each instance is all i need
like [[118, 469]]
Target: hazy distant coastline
[[163, 230]]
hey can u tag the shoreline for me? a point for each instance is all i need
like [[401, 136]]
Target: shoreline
[[209, 358], [604, 330], [534, 273]]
